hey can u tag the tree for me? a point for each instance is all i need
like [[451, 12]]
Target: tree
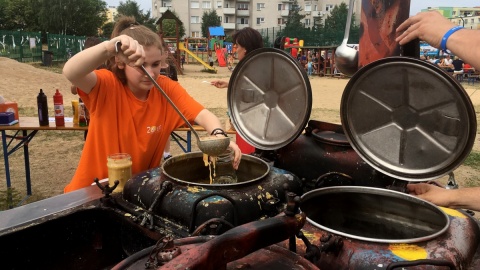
[[131, 8], [70, 17], [334, 29], [169, 30], [17, 15], [294, 27], [209, 19], [107, 29]]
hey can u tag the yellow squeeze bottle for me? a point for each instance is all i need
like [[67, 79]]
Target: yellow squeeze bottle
[[75, 111]]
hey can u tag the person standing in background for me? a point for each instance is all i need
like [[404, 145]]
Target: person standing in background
[[246, 41]]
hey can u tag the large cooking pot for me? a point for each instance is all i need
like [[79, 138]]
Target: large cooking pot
[[410, 120], [180, 192]]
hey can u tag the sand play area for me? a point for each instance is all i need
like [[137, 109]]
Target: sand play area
[[54, 154]]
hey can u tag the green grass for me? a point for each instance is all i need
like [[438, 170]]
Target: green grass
[[473, 160]]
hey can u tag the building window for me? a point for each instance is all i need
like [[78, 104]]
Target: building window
[[281, 21], [454, 13], [194, 5], [260, 20], [280, 7], [328, 7], [194, 19], [206, 4], [242, 20], [308, 8], [315, 8], [472, 21], [242, 6], [195, 34], [260, 6], [307, 22], [219, 4], [220, 18]]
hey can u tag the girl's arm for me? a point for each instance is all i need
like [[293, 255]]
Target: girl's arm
[[79, 69]]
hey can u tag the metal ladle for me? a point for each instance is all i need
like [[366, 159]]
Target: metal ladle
[[346, 58], [212, 145]]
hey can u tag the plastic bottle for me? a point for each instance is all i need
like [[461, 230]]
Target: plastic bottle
[[82, 113], [42, 108], [58, 106], [75, 111]]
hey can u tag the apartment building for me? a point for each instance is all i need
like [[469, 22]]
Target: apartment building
[[237, 14], [468, 17]]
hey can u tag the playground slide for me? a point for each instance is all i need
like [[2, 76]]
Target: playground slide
[[192, 54], [221, 58]]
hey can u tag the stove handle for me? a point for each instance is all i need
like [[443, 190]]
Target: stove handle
[[445, 263]]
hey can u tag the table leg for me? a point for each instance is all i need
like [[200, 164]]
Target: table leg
[[5, 158], [189, 141], [27, 164]]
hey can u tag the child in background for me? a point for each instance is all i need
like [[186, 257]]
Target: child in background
[[128, 114]]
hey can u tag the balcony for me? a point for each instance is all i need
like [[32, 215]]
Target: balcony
[[229, 11], [241, 26], [243, 12], [318, 13], [284, 12], [229, 26]]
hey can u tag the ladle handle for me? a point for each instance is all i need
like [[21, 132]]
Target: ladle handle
[[349, 21], [170, 101]]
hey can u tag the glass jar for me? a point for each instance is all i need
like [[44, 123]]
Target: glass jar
[[224, 172], [119, 168]]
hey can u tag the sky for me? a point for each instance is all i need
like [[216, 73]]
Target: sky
[[415, 5]]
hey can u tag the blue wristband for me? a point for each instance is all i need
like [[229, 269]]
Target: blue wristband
[[443, 44]]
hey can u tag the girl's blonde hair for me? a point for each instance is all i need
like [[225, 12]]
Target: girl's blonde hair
[[126, 25]]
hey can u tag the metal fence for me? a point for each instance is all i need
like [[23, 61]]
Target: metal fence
[[21, 46], [27, 46], [310, 37]]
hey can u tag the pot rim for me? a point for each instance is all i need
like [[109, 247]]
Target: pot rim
[[380, 191], [200, 154]]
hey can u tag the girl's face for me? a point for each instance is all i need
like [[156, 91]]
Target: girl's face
[[137, 81], [241, 51]]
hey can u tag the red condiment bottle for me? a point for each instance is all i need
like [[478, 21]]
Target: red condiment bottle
[[58, 107]]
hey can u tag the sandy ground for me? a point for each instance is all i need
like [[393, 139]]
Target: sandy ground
[[54, 154]]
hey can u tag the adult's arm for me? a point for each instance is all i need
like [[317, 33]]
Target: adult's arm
[[79, 69], [465, 198], [431, 27]]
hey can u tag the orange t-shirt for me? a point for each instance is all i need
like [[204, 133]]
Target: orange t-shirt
[[120, 123]]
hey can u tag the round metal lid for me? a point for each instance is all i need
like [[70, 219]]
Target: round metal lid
[[408, 119], [269, 98]]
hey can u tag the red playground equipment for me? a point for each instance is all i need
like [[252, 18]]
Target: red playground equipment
[[294, 44]]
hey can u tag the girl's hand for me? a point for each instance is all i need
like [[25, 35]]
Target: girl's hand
[[127, 50], [238, 154]]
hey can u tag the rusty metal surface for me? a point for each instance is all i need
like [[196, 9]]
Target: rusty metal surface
[[459, 245], [324, 157], [379, 19], [190, 206], [238, 242]]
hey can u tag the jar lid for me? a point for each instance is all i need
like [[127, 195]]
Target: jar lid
[[408, 118], [269, 98]]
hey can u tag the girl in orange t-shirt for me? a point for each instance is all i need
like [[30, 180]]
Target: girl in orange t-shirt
[[128, 114]]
